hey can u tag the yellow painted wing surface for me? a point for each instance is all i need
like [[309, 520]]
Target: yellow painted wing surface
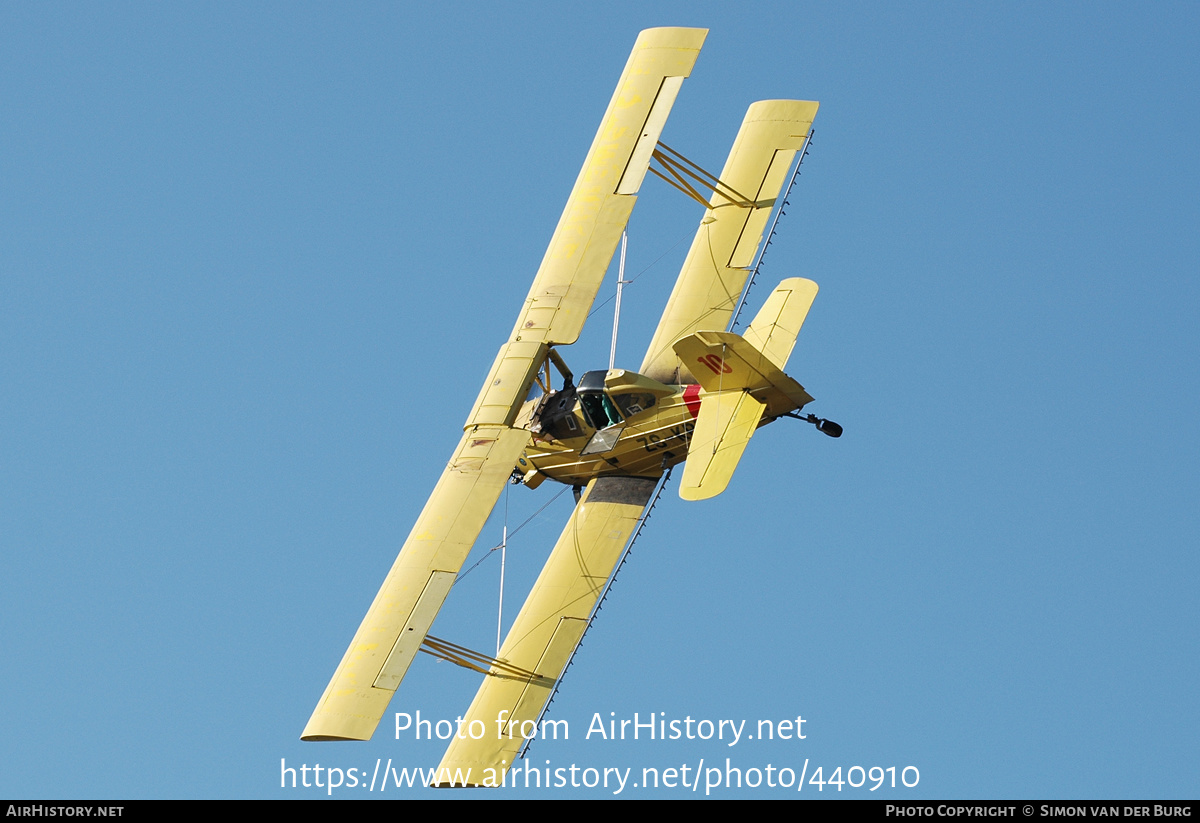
[[558, 303], [548, 628], [715, 270], [416, 586], [604, 193]]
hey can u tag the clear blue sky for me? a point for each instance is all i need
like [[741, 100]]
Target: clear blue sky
[[237, 244]]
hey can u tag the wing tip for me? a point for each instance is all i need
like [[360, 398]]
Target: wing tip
[[677, 37], [797, 111], [701, 492]]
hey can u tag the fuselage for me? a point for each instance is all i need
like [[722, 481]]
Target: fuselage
[[613, 423]]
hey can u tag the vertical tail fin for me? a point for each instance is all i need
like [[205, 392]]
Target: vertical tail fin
[[774, 329]]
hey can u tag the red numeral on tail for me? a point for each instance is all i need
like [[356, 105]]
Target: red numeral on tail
[[714, 362]]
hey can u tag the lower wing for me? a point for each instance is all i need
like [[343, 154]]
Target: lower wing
[[549, 627]]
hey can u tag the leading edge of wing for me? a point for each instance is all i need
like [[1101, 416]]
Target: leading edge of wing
[[605, 191]]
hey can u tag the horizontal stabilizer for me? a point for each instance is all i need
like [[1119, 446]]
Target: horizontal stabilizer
[[724, 426], [742, 382], [723, 361]]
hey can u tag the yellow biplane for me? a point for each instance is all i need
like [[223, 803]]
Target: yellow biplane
[[699, 395]]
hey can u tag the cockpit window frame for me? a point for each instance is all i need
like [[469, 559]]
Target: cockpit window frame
[[606, 407]]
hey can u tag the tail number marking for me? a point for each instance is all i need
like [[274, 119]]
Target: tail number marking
[[715, 362], [652, 442]]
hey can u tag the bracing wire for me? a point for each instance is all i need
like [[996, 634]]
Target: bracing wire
[[496, 548], [656, 261]]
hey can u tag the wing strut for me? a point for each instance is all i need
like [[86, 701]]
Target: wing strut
[[679, 166], [469, 659]]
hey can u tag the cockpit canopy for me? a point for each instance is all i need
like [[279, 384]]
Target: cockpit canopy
[[598, 407], [610, 397]]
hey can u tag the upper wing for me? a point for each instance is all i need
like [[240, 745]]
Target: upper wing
[[548, 628], [708, 288], [563, 291], [604, 193]]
